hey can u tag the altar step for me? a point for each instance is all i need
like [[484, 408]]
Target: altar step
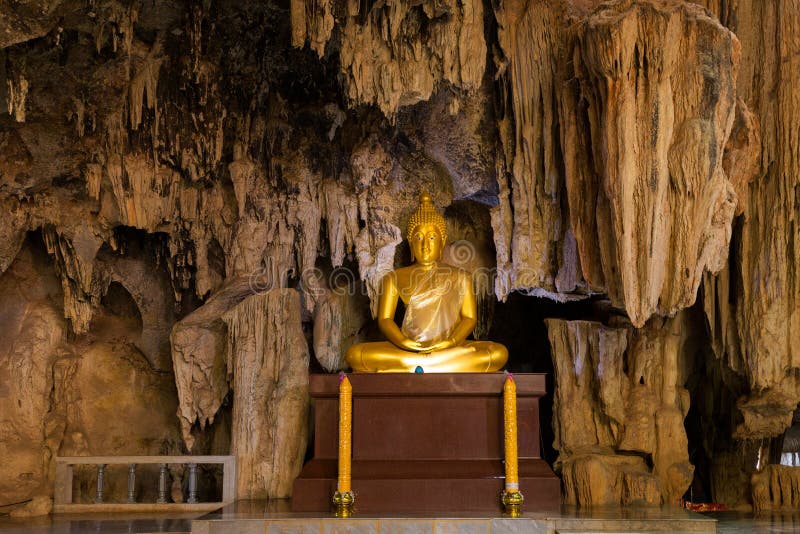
[[430, 487], [261, 517]]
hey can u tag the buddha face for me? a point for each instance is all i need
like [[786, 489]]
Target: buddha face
[[426, 243]]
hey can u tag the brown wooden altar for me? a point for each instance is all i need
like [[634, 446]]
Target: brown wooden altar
[[426, 442]]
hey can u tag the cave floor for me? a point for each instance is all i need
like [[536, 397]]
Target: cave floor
[[252, 517]]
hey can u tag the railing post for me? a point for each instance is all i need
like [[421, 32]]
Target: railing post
[[229, 480], [192, 484], [162, 484], [63, 489], [132, 483], [101, 469]]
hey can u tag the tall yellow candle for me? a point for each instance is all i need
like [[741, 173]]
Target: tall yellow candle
[[345, 433], [510, 431]]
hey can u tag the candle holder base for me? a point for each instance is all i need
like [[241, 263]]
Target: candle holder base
[[343, 503], [512, 503]]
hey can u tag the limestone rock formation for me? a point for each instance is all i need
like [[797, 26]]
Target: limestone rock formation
[[268, 366], [533, 254], [619, 405], [88, 397], [394, 55], [340, 315], [650, 208], [38, 506], [667, 203], [33, 325], [199, 344], [111, 402], [26, 20], [776, 488], [755, 321]]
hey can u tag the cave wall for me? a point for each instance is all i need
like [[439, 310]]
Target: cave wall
[[94, 394], [199, 164]]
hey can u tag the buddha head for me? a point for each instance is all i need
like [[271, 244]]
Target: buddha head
[[426, 232]]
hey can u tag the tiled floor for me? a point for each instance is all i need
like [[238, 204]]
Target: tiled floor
[[740, 523], [629, 520]]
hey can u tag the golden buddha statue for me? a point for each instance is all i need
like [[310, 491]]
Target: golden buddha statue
[[440, 312]]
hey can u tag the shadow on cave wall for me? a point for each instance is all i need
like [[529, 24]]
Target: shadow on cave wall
[[519, 324]]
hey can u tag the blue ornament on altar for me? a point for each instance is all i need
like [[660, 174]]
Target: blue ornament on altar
[[419, 370]]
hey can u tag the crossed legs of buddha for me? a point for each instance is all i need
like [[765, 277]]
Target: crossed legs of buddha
[[469, 357]]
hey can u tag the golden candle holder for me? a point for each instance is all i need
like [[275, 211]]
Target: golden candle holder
[[343, 503], [511, 497], [512, 503], [344, 498]]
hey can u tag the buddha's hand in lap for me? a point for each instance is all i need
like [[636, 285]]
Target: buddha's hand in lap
[[437, 346], [411, 345]]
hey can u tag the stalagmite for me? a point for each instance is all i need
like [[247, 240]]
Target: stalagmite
[[619, 404], [198, 355], [268, 365], [776, 488], [25, 399], [340, 314]]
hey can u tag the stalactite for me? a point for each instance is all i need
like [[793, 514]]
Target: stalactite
[[17, 86], [377, 241], [527, 222], [12, 232], [74, 260], [312, 21], [144, 85], [144, 192], [384, 57], [661, 212], [757, 326], [341, 217], [93, 174], [117, 24]]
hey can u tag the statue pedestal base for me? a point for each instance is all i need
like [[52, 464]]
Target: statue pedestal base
[[426, 442]]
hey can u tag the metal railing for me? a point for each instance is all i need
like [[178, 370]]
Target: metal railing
[[64, 478]]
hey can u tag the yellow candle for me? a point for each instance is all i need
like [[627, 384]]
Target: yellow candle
[[345, 433], [510, 434]]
